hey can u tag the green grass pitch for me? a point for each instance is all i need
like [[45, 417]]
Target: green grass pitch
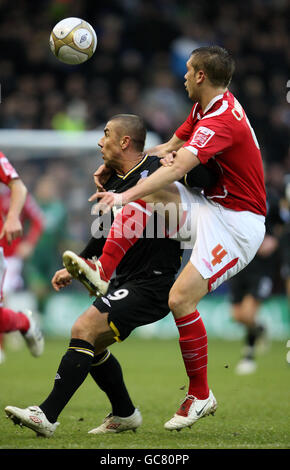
[[253, 411]]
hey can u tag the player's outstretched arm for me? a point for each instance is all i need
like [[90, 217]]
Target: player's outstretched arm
[[165, 175], [161, 150], [12, 227]]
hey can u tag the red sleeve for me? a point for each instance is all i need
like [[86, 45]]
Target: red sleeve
[[185, 130], [209, 139], [33, 214], [7, 172]]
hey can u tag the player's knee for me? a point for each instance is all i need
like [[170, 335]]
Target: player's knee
[[237, 313], [172, 302], [79, 330], [179, 304], [87, 327]]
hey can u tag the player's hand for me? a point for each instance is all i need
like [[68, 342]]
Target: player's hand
[[168, 159], [101, 176], [11, 229], [106, 200], [61, 279]]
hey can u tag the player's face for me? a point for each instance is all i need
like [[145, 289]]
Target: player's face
[[110, 145], [192, 81]]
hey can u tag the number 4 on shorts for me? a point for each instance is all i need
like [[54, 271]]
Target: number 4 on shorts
[[218, 253]]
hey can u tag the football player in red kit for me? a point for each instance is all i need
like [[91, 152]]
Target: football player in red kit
[[224, 226], [22, 247], [10, 233]]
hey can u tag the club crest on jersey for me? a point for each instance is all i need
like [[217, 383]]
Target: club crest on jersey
[[202, 136]]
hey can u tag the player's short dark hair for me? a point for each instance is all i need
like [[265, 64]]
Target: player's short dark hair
[[134, 126], [216, 62]]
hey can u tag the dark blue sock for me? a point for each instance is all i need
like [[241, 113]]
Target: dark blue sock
[[73, 369], [107, 373]]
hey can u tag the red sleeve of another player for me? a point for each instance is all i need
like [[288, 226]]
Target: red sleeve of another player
[[208, 139], [7, 172], [185, 130]]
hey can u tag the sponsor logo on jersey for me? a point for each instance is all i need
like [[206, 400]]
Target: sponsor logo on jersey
[[202, 136]]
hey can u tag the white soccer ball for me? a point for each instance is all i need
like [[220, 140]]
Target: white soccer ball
[[73, 41]]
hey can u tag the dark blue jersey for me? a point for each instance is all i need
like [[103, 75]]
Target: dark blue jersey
[[148, 256]]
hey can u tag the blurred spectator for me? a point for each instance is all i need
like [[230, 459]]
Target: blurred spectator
[[46, 258], [162, 104], [134, 36]]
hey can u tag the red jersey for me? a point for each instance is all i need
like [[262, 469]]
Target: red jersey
[[7, 172], [31, 213], [223, 132]]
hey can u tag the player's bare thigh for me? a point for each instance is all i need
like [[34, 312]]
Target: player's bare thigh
[[165, 195], [189, 288], [167, 202], [92, 326]]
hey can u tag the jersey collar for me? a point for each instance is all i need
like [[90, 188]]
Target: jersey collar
[[134, 168], [212, 102]]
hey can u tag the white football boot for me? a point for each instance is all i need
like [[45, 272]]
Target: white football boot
[[246, 366], [89, 273], [190, 411], [114, 424], [2, 356], [33, 418], [33, 336]]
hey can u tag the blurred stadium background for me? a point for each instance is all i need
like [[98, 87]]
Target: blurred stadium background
[[52, 114]]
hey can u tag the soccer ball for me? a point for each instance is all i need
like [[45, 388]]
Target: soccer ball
[[73, 41]]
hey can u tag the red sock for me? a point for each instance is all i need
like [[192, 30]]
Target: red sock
[[126, 230], [193, 345], [13, 321]]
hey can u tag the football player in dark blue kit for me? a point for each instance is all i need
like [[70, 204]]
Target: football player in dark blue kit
[[138, 295]]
